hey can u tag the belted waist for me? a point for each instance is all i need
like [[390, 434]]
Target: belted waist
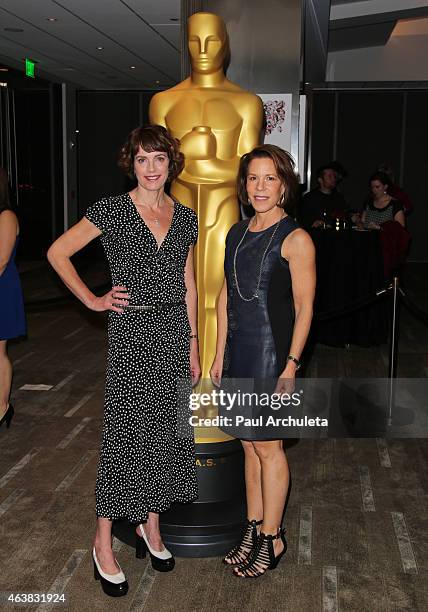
[[149, 307]]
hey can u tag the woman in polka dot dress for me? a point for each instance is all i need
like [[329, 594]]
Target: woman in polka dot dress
[[145, 464]]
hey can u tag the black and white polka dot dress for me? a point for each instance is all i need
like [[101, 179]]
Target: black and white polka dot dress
[[145, 462]]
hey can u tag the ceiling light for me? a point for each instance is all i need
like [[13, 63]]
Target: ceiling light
[[132, 67], [13, 29], [157, 82], [4, 69], [100, 48], [51, 19]]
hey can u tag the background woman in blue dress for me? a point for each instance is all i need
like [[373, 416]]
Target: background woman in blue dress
[[12, 316], [264, 316]]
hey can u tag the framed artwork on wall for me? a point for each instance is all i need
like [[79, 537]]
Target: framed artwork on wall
[[277, 109]]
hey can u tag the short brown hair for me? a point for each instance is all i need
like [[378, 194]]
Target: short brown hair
[[284, 166], [151, 138]]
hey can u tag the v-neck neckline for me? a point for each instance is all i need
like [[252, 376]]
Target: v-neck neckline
[[159, 246]]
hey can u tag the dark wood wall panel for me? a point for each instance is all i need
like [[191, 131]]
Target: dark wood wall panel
[[104, 120], [33, 134], [322, 144], [416, 170], [368, 133]]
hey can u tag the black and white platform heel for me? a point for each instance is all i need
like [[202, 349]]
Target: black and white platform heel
[[162, 560], [114, 585]]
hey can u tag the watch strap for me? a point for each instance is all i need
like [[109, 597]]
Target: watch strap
[[296, 361]]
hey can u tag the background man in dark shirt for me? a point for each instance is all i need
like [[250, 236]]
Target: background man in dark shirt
[[322, 202]]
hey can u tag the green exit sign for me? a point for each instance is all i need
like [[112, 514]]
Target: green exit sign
[[29, 68]]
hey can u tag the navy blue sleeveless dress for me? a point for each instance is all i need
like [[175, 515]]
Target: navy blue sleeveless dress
[[259, 331], [12, 315]]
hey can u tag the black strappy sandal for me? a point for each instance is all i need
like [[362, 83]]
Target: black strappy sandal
[[240, 553], [262, 557]]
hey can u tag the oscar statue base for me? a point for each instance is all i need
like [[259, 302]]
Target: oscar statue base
[[212, 524]]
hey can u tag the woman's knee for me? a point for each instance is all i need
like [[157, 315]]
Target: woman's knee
[[268, 450], [248, 447]]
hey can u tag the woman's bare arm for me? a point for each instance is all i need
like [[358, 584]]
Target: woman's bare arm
[[217, 367], [399, 216], [8, 231], [191, 293], [299, 250], [192, 313], [59, 254], [221, 321]]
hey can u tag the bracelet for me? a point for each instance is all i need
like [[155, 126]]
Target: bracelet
[[296, 361]]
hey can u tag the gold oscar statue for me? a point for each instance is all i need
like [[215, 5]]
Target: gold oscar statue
[[216, 122]]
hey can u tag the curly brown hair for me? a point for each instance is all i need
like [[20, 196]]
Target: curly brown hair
[[284, 166], [151, 138]]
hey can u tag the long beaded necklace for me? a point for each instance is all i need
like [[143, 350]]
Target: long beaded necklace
[[256, 293]]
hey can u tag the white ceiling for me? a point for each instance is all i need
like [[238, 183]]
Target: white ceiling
[[137, 33]]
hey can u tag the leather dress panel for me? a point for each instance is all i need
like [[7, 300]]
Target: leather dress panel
[[251, 348]]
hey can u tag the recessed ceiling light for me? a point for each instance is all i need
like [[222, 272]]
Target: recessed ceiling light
[[51, 19], [132, 67], [13, 29], [100, 48], [4, 69], [157, 82]]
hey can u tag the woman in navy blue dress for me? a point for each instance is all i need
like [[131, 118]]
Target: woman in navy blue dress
[[12, 316], [264, 316]]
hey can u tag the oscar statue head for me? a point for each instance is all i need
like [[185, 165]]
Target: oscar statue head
[[208, 42]]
